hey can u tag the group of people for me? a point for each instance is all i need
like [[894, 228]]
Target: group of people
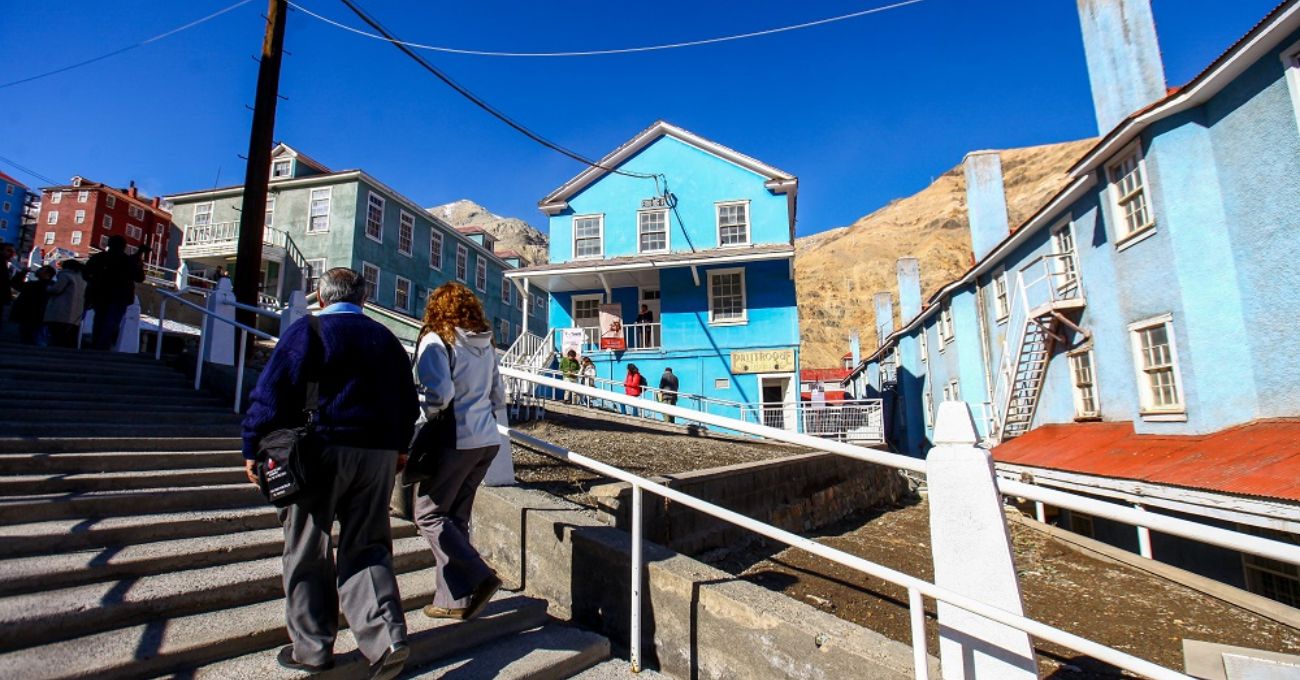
[[52, 300], [583, 372], [371, 401]]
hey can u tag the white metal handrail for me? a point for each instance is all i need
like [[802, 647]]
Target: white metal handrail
[[208, 317], [636, 336]]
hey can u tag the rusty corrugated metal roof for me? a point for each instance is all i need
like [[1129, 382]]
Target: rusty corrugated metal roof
[[1261, 458]]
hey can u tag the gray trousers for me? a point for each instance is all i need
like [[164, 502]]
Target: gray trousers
[[353, 485], [443, 506]]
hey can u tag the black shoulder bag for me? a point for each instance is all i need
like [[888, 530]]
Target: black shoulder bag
[[285, 456], [434, 436]]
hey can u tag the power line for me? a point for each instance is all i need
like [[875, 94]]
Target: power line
[[622, 50], [483, 104], [26, 170], [128, 48]]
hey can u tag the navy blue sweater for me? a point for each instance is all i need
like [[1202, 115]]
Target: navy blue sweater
[[367, 394]]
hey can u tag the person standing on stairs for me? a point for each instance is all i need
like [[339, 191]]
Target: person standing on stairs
[[67, 302], [456, 365], [367, 415], [111, 276]]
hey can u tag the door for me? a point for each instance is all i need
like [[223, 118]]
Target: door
[[649, 337], [777, 405]]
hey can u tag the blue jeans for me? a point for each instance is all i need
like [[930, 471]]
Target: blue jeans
[[108, 320]]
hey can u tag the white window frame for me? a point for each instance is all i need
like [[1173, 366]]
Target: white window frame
[[110, 201], [480, 273], [573, 308], [667, 229], [1147, 408], [1123, 237], [435, 248], [288, 168], [927, 405], [1256, 569], [205, 209], [269, 220], [9, 189], [329, 205], [75, 239], [108, 221], [52, 217], [135, 212], [405, 228], [373, 294], [317, 266], [49, 237], [925, 344], [947, 330], [503, 325], [1074, 284], [952, 390], [1002, 297], [382, 205], [397, 289], [717, 223], [505, 290], [1291, 61], [462, 262], [133, 231], [56, 197], [83, 195], [573, 227], [79, 217], [1080, 411], [7, 207], [744, 297]]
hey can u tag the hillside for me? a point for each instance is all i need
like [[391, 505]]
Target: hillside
[[837, 271], [511, 233]]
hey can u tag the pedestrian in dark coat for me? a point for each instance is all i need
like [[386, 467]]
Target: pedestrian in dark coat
[[110, 288], [29, 308]]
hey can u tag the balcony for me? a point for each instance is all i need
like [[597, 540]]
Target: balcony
[[221, 239], [635, 337]]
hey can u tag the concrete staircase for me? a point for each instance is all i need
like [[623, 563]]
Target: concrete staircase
[[131, 546]]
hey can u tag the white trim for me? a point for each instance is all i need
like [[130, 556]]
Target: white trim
[[480, 273], [1146, 399], [1001, 303], [379, 279], [436, 232], [653, 264], [316, 271], [1119, 221], [275, 161], [397, 285], [573, 307], [717, 223], [744, 297], [1291, 61], [329, 208], [505, 292], [365, 224], [462, 251], [1079, 412], [668, 230], [573, 233], [406, 219]]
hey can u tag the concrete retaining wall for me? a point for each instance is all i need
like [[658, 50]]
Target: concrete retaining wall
[[799, 493], [698, 622]]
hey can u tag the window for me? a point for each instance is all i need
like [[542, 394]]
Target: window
[[135, 211], [375, 217], [402, 294], [56, 196], [318, 220], [1273, 579], [52, 217], [727, 296], [9, 189], [505, 291], [281, 168], [503, 328], [202, 215], [722, 383], [733, 224], [1001, 305], [133, 231], [103, 242], [312, 275], [1081, 524], [83, 196], [110, 201], [159, 228], [76, 238], [1128, 189], [1065, 269], [652, 231], [1085, 388], [370, 273], [4, 224], [79, 217], [132, 250], [946, 331], [270, 212], [537, 306], [49, 238], [108, 221], [480, 273], [462, 262], [405, 232], [1156, 358], [588, 236], [927, 405], [7, 207], [586, 311], [952, 391], [435, 249], [924, 337]]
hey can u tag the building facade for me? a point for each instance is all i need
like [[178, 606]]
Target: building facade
[[701, 237], [77, 219], [13, 199], [1140, 310], [317, 219]]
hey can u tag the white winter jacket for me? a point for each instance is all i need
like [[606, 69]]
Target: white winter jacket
[[475, 383]]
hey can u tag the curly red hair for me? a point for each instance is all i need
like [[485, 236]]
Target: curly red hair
[[452, 305]]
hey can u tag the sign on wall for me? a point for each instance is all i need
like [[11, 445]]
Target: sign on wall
[[611, 327], [762, 361], [571, 339]]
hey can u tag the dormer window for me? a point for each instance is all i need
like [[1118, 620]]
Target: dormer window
[[282, 168]]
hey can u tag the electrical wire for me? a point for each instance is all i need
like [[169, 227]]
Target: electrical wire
[[484, 104], [128, 48], [623, 50], [28, 171]]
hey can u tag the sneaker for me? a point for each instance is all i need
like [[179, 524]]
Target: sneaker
[[390, 664], [285, 658]]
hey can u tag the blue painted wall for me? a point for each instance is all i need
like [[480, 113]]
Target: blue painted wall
[[12, 197]]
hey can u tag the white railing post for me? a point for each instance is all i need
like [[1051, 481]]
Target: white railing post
[[128, 334], [1144, 537], [296, 309], [239, 370], [221, 343], [634, 637], [501, 471], [162, 318], [182, 277], [972, 555], [201, 357], [920, 659]]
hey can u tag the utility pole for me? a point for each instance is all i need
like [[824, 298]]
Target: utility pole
[[252, 218]]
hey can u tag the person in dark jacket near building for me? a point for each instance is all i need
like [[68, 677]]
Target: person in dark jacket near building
[[11, 277], [368, 409], [110, 288], [29, 308], [66, 304], [668, 390]]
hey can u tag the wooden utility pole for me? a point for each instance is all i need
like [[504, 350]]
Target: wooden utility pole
[[252, 216]]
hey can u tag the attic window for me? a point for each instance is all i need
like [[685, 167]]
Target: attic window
[[282, 168]]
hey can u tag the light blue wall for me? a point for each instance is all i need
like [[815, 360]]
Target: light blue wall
[[15, 195]]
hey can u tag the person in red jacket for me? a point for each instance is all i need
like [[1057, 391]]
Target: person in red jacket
[[633, 385]]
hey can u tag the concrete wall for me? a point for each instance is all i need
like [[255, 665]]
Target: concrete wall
[[698, 622]]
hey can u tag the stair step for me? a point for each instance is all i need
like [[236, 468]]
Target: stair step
[[33, 618], [94, 390], [29, 379], [99, 504], [106, 413], [84, 533], [119, 429], [551, 652], [133, 560], [83, 463], [87, 367], [66, 444], [66, 400], [114, 481], [616, 669]]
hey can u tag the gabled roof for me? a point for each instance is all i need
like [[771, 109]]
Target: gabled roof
[[11, 180], [778, 181], [282, 149]]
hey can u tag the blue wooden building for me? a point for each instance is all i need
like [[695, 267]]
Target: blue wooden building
[[13, 201]]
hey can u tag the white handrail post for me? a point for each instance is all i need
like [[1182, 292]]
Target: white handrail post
[[221, 344], [162, 318], [634, 638], [972, 556], [239, 369], [128, 334], [1144, 537], [203, 346], [296, 309], [920, 659]]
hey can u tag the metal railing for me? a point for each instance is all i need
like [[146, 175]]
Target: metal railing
[[917, 588], [635, 336], [219, 235]]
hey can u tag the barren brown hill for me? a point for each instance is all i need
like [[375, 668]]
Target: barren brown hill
[[511, 233], [837, 271]]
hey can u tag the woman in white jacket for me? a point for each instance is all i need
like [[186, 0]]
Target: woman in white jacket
[[454, 318]]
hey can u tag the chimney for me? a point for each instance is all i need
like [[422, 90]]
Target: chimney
[[855, 348], [909, 288], [131, 190], [986, 201], [1123, 54], [884, 304]]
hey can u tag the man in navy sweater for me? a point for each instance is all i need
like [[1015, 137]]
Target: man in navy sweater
[[368, 409]]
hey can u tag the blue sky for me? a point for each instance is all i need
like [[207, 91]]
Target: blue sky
[[863, 111]]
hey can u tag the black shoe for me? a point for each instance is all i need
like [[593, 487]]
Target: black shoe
[[391, 663], [285, 658], [482, 595]]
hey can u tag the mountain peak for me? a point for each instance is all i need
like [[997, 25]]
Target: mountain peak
[[511, 233]]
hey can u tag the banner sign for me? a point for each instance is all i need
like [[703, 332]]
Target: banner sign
[[571, 339], [611, 328], [762, 361]]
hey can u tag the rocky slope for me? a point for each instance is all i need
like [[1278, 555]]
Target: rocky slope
[[511, 233], [837, 271]]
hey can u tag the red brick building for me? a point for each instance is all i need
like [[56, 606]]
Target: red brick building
[[80, 216]]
